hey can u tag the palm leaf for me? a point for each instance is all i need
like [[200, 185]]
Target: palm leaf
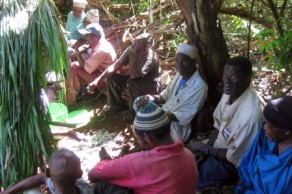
[[31, 44]]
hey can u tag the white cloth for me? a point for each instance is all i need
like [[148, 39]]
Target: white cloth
[[185, 104], [238, 124], [83, 186], [79, 3], [188, 49]]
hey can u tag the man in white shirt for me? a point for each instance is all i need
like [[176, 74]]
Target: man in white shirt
[[237, 118], [185, 95]]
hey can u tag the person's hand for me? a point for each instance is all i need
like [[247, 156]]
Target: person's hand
[[92, 86], [151, 98], [104, 155], [196, 146], [75, 65], [141, 101], [200, 159]]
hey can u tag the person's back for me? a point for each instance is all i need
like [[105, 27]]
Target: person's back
[[62, 177], [166, 168]]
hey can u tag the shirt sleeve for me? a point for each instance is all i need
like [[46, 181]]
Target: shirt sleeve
[[166, 92], [124, 58], [151, 62], [242, 140], [118, 171], [191, 105]]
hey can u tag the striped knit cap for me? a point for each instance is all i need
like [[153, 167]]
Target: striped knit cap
[[149, 116]]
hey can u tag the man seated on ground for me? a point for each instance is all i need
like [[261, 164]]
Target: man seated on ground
[[266, 168], [165, 168], [62, 177], [185, 95], [144, 72], [91, 62], [92, 16], [237, 119], [74, 20]]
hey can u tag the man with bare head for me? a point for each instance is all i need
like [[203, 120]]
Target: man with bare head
[[62, 177]]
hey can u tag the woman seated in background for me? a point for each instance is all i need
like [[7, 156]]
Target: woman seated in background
[[267, 166]]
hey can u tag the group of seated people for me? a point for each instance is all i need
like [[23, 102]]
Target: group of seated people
[[247, 147], [168, 166]]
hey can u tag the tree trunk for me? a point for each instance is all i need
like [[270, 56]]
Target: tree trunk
[[204, 31]]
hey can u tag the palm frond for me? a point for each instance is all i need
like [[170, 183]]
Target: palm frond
[[31, 44]]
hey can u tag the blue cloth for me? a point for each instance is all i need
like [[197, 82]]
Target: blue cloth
[[181, 84], [215, 171], [262, 171], [73, 25]]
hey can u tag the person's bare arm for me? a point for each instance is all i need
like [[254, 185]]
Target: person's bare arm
[[171, 116], [107, 73], [156, 98], [28, 183], [213, 137], [80, 59]]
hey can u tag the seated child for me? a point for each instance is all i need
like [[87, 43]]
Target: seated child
[[62, 177]]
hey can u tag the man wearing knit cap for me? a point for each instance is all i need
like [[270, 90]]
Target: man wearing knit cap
[[266, 168], [165, 168], [185, 95], [237, 118], [74, 20]]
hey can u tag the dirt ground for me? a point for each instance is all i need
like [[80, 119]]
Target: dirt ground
[[108, 131]]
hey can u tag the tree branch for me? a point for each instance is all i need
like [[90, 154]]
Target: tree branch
[[245, 15], [283, 7], [276, 16]]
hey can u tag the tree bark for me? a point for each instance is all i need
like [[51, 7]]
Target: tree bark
[[204, 31]]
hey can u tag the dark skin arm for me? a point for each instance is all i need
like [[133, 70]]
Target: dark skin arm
[[28, 183], [218, 153], [213, 137], [171, 116], [159, 100], [80, 59], [103, 156]]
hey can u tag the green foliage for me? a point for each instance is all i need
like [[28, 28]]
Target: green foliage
[[277, 49], [31, 42]]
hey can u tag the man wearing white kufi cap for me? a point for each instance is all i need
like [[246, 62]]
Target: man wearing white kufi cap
[[185, 95], [74, 20], [79, 3]]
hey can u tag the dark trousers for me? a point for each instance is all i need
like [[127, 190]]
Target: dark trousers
[[102, 187], [119, 84], [214, 171]]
